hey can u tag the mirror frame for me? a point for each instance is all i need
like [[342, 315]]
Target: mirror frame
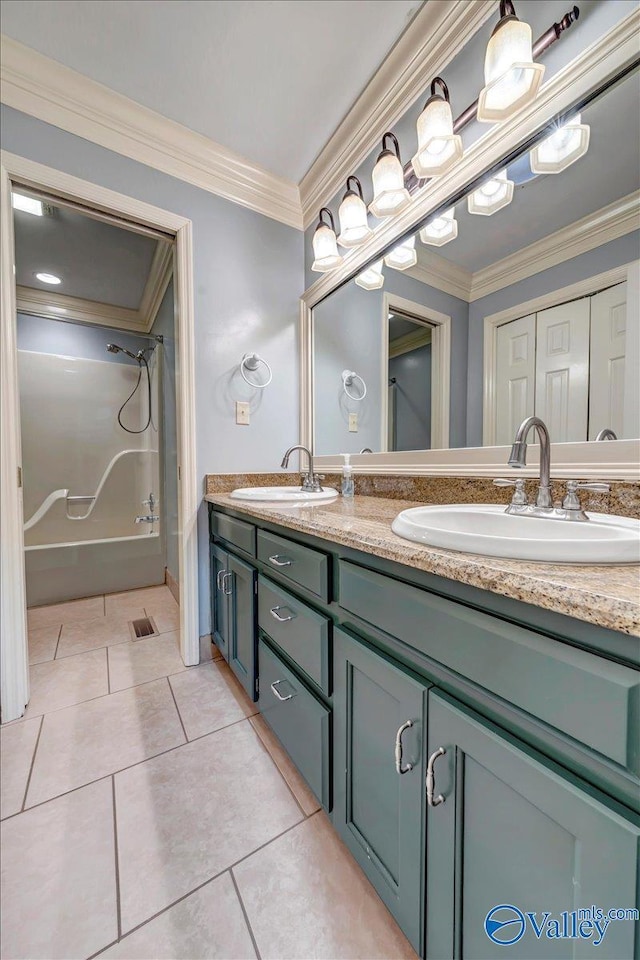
[[599, 65]]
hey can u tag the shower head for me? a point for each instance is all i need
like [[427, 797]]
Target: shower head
[[114, 348]]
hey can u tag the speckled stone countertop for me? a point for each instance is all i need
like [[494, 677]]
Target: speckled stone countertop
[[608, 596]]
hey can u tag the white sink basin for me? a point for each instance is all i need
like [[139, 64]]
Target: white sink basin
[[283, 494], [486, 529]]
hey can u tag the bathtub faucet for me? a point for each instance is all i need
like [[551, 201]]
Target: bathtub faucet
[[150, 518]]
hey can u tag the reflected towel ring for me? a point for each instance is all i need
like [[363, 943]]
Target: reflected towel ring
[[348, 376], [251, 362]]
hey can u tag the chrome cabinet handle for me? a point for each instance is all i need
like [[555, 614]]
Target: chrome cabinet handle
[[276, 616], [221, 574], [398, 749], [276, 692], [431, 800], [279, 560], [225, 579]]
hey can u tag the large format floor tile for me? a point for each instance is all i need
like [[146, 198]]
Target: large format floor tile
[[306, 897], [94, 739], [142, 660], [188, 815], [43, 642], [17, 745], [208, 700], [59, 884], [166, 614], [65, 612], [84, 635], [285, 765], [61, 683], [119, 601], [208, 925]]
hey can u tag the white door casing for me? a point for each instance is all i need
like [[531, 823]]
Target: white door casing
[[515, 376], [607, 363]]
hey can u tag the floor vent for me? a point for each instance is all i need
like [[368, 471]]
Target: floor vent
[[140, 629]]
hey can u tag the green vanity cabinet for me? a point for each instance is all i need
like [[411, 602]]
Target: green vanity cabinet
[[379, 811], [514, 830], [234, 615]]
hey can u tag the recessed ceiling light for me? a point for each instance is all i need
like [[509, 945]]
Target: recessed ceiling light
[[27, 204], [48, 278]]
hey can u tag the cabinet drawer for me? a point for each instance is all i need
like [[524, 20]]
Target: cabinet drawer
[[301, 565], [297, 629], [298, 719], [237, 532], [587, 697]]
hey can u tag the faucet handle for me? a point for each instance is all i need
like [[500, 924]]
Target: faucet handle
[[519, 498], [571, 500]]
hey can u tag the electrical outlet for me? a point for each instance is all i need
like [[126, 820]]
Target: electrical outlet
[[242, 413], [353, 423]]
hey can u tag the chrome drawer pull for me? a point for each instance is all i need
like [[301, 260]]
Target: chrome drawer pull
[[227, 577], [276, 692], [276, 616], [221, 573], [278, 560], [398, 749], [431, 800]]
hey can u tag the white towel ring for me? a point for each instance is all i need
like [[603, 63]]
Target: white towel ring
[[251, 362], [348, 377]]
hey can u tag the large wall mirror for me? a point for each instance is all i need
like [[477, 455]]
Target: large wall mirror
[[469, 326]]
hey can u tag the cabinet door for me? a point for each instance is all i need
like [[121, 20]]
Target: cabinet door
[[220, 599], [378, 812], [243, 623], [517, 833]]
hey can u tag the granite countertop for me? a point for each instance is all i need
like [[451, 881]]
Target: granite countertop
[[608, 596]]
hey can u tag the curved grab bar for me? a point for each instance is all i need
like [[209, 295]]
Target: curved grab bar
[[46, 504]]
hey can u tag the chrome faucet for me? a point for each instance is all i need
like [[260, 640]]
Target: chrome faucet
[[366, 450], [310, 480], [518, 458], [606, 434]]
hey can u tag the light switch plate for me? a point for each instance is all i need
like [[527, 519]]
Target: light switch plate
[[353, 423], [242, 413]]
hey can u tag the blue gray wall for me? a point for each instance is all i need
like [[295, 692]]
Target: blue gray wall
[[248, 277], [68, 339], [610, 255], [164, 326], [412, 373]]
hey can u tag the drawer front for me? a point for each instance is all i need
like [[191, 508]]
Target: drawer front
[[587, 697], [301, 565], [298, 630], [237, 532], [298, 719]]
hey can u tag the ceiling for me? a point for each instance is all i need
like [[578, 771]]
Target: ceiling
[[96, 261], [609, 171], [269, 79]]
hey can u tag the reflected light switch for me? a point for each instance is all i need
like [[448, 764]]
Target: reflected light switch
[[242, 413], [353, 423]]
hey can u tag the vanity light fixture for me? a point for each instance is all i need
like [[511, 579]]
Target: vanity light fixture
[[441, 229], [325, 247], [48, 278], [511, 77], [404, 255], [354, 228], [371, 278], [438, 147], [494, 194], [389, 193], [565, 145]]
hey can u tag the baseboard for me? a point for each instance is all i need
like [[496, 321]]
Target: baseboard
[[173, 585]]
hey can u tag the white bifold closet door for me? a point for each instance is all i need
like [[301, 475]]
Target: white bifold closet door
[[562, 370], [608, 353], [515, 376]]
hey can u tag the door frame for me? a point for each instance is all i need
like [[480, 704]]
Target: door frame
[[14, 682]]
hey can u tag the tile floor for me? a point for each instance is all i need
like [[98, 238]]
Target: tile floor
[[148, 811]]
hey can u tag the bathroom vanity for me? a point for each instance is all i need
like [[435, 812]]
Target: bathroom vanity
[[471, 725]]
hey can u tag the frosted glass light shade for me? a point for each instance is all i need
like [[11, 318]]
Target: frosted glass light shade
[[441, 229], [389, 193], [493, 195], [354, 228], [438, 147], [565, 145], [325, 250], [371, 278], [511, 77], [403, 256]]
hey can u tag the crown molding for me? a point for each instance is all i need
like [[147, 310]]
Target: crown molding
[[411, 341], [438, 272], [608, 223], [160, 273], [433, 38], [49, 91]]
